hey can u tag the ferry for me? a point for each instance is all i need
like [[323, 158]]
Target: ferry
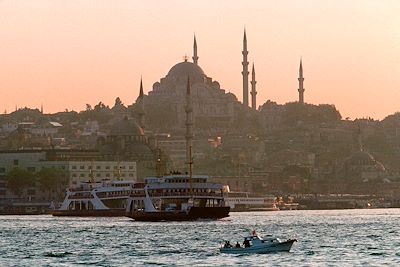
[[246, 201], [105, 198], [177, 197]]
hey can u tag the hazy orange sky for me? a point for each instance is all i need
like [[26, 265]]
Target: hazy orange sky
[[65, 54]]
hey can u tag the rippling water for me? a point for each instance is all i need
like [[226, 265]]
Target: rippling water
[[335, 238]]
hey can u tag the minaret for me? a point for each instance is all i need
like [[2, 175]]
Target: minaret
[[245, 71], [140, 102], [301, 87], [195, 57], [41, 108], [253, 89], [189, 124]]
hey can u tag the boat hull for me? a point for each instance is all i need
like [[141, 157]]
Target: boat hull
[[90, 213], [195, 213], [284, 246]]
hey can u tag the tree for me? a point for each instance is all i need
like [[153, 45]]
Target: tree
[[52, 179], [19, 179], [118, 102]]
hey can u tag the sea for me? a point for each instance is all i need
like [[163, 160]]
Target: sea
[[365, 237]]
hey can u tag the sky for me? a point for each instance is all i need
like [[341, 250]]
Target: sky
[[64, 54]]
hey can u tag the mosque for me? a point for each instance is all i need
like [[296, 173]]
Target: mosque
[[213, 107]]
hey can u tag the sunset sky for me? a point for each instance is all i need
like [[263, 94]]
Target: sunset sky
[[65, 54]]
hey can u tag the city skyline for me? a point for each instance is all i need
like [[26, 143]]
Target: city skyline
[[66, 54]]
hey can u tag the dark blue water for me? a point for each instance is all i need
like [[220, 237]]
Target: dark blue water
[[326, 238]]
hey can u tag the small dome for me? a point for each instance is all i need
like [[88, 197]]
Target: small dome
[[216, 85], [184, 69], [126, 127]]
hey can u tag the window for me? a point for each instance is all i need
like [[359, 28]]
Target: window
[[74, 175], [82, 167], [73, 167], [130, 167], [107, 167], [107, 175], [31, 192], [98, 167], [131, 175], [2, 169], [31, 169], [16, 162], [82, 175]]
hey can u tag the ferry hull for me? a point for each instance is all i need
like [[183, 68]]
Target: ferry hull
[[195, 213], [90, 213]]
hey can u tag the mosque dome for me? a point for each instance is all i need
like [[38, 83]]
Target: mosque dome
[[126, 127], [185, 69]]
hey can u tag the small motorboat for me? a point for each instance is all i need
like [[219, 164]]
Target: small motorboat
[[256, 244]]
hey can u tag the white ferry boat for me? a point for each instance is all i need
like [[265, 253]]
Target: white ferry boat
[[177, 197], [245, 201], [105, 198]]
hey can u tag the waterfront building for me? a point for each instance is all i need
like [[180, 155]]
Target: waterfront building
[[78, 166]]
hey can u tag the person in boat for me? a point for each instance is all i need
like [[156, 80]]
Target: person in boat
[[227, 244], [246, 243], [237, 245]]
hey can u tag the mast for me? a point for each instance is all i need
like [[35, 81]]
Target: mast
[[189, 133]]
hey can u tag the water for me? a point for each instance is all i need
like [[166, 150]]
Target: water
[[326, 238]]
